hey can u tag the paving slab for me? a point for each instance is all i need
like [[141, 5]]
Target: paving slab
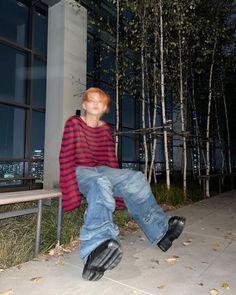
[[203, 258]]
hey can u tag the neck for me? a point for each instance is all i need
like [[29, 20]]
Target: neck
[[92, 121]]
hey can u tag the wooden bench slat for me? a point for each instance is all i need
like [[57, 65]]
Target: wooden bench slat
[[24, 196], [7, 198]]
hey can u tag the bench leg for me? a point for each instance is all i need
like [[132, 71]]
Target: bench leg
[[38, 229], [59, 219]]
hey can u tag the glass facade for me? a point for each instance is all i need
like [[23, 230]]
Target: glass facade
[[101, 56], [23, 62], [23, 55]]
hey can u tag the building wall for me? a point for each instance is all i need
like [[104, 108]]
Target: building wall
[[66, 78]]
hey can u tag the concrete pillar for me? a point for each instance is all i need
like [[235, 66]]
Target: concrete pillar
[[66, 78]]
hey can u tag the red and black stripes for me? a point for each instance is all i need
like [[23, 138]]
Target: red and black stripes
[[82, 145]]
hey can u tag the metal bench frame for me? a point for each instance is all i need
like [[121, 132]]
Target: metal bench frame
[[7, 198]]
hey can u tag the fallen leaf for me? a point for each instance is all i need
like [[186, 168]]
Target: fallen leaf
[[214, 292], [59, 262], [42, 257], [66, 250], [19, 266], [216, 245], [201, 284], [131, 225], [225, 285], [189, 267], [36, 279], [51, 252], [2, 270], [8, 292], [172, 260], [161, 287], [187, 243]]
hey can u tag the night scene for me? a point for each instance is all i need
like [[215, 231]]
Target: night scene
[[117, 147]]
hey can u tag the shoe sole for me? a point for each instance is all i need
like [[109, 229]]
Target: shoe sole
[[108, 259], [168, 243]]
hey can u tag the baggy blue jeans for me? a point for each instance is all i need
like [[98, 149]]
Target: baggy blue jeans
[[99, 185]]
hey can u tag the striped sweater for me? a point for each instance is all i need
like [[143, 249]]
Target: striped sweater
[[83, 145]]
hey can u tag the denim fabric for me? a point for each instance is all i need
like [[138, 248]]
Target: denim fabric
[[99, 185]]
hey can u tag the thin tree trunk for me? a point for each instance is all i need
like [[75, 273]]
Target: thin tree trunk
[[196, 137], [154, 144], [219, 138], [227, 128], [117, 75], [163, 99], [208, 161], [182, 117], [143, 94], [150, 146]]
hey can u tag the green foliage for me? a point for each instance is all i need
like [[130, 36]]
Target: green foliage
[[17, 235], [175, 196]]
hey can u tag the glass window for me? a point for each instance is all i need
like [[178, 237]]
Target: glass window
[[129, 147], [132, 166], [12, 130], [128, 111], [39, 83], [14, 21], [37, 135], [11, 170], [90, 57], [107, 59], [90, 83], [36, 169], [12, 74], [40, 33], [110, 117], [160, 150]]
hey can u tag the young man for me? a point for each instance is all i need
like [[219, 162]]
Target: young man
[[88, 165]]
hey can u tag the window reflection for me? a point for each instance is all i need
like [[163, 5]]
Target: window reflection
[[128, 111], [37, 135], [12, 125], [12, 74], [129, 147], [110, 117], [11, 170], [39, 83], [40, 32], [14, 21]]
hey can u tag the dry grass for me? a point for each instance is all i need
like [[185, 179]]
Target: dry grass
[[17, 235]]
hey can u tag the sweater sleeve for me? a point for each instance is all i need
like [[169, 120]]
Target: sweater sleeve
[[71, 196]]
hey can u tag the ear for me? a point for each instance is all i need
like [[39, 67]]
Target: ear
[[105, 109], [84, 107]]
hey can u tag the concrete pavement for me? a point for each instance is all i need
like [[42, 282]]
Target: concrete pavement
[[202, 261]]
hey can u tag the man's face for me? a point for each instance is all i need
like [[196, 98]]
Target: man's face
[[94, 105]]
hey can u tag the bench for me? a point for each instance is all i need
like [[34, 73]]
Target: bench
[[7, 198]]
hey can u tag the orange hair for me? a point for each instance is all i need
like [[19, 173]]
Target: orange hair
[[104, 96]]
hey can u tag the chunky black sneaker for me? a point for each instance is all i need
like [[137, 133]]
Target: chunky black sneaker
[[176, 226], [105, 257]]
